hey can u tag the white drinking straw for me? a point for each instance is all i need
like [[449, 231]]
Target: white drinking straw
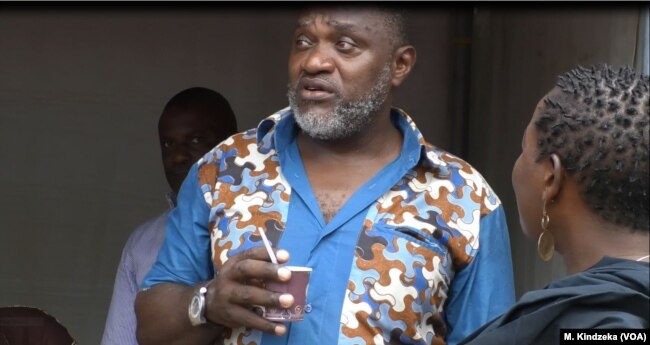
[[267, 245]]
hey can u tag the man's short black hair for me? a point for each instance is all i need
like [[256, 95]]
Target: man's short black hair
[[596, 121], [395, 21], [209, 102]]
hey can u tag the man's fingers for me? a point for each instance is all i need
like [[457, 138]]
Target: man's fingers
[[238, 316], [246, 266], [246, 270], [237, 302], [260, 253], [282, 255], [249, 295]]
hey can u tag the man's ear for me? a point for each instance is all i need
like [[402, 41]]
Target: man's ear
[[404, 61], [553, 177]]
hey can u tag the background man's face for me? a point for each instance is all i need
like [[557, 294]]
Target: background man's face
[[185, 136]]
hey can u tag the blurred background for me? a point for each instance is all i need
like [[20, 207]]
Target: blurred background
[[81, 90]]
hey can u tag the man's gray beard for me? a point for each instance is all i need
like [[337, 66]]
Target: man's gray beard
[[347, 118]]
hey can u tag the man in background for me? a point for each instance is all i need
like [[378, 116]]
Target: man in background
[[192, 123]]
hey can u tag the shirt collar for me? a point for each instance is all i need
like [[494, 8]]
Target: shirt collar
[[278, 131], [170, 197]]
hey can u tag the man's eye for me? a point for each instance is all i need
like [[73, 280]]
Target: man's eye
[[166, 144], [345, 45], [196, 140], [302, 41]]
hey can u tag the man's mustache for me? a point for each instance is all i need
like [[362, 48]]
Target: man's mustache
[[320, 81]]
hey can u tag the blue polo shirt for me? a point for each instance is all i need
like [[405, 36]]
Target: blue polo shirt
[[400, 261]]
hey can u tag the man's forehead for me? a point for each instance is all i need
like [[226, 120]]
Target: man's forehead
[[342, 18]]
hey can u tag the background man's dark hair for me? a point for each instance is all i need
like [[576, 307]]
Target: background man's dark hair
[[200, 99], [596, 120]]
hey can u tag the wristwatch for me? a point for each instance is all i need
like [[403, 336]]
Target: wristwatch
[[196, 309]]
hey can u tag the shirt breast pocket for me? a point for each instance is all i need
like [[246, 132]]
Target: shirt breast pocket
[[413, 235], [400, 278]]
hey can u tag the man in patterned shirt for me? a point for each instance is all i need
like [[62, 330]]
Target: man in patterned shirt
[[408, 244]]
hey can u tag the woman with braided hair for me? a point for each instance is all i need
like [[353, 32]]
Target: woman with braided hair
[[581, 184]]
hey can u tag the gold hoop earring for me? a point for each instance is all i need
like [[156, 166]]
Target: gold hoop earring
[[546, 240]]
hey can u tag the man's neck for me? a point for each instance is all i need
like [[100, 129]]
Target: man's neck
[[337, 168], [379, 139]]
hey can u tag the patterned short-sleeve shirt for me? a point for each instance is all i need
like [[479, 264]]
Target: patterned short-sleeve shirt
[[398, 264]]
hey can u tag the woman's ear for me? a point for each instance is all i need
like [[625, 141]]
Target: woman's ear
[[553, 177], [404, 61]]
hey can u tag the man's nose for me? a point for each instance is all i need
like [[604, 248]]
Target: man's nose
[[180, 155], [319, 59]]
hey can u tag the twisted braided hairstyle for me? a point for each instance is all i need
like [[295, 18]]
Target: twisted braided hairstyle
[[596, 121]]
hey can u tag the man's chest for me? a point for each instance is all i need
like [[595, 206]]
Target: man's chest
[[366, 265], [332, 188]]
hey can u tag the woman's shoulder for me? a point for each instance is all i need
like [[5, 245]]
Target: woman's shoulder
[[611, 294], [609, 273]]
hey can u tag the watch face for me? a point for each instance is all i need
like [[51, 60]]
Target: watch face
[[195, 307]]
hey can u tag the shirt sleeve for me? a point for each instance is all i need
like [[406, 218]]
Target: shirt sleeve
[[185, 254], [484, 289], [120, 322]]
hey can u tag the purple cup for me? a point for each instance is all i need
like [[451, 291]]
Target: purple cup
[[297, 286]]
